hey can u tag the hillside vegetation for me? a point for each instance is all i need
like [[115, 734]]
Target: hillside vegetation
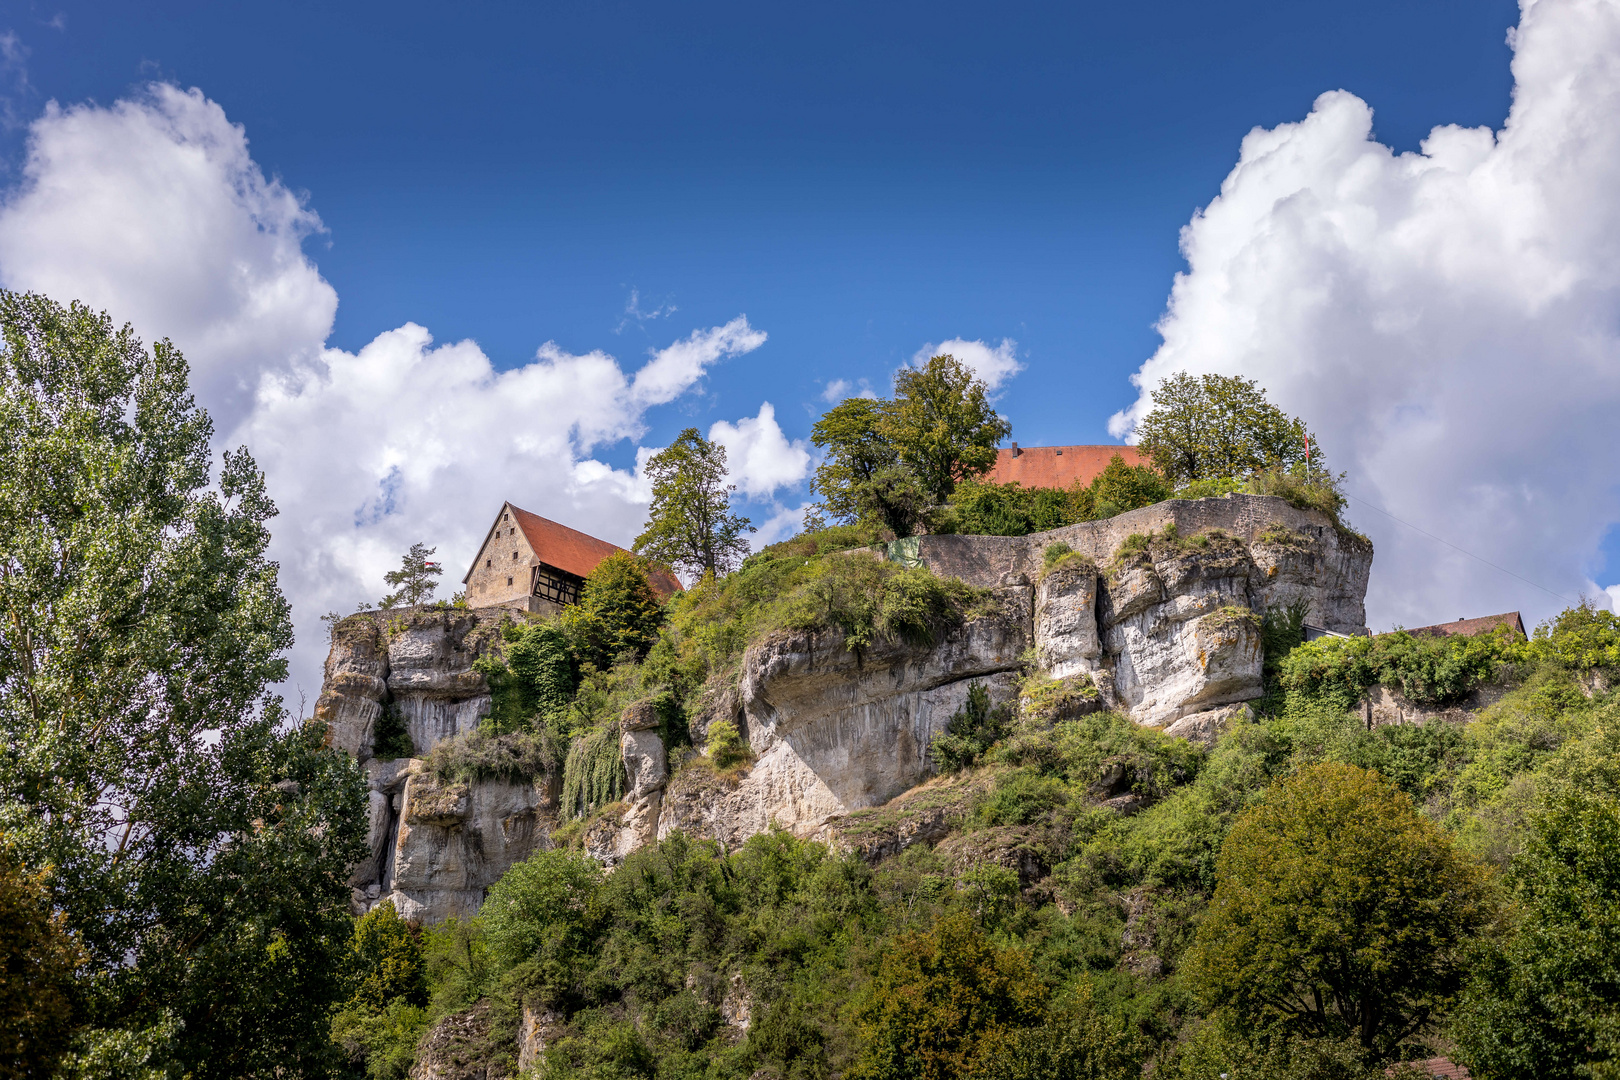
[[1072, 922]]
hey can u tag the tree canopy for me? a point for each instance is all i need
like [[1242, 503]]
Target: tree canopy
[[944, 1004], [200, 841], [690, 524], [618, 612], [1204, 427], [1545, 1001], [888, 462], [942, 425], [1339, 911]]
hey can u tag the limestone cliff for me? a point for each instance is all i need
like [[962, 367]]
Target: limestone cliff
[[1158, 610], [435, 848]]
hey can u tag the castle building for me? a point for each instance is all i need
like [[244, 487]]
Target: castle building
[[1057, 466], [535, 564]]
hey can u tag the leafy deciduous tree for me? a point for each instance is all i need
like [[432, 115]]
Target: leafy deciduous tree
[[690, 524], [889, 461], [1206, 426], [201, 851], [1339, 911], [944, 1003], [856, 451], [37, 958], [1545, 1002], [942, 426], [617, 612]]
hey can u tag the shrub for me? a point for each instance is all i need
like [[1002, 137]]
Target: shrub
[[1439, 670], [1053, 552], [541, 912], [1581, 638], [618, 613], [391, 739], [866, 598], [384, 961], [991, 509], [536, 679], [725, 744], [970, 731], [518, 757], [1121, 487], [1021, 797]]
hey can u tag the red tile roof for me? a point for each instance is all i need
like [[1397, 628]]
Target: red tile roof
[[576, 552], [1470, 627], [1057, 466]]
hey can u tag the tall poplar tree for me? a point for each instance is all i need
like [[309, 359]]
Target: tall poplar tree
[[199, 839]]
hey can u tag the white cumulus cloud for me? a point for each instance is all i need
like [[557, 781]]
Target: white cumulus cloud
[[1448, 320], [153, 209], [759, 457], [995, 364]]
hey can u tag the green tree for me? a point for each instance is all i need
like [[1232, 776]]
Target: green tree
[[1203, 427], [541, 912], [1078, 1041], [416, 580], [37, 959], [1121, 487], [690, 524], [1545, 1002], [617, 613], [201, 844], [1339, 911], [894, 498], [385, 960], [855, 452], [942, 426], [944, 1004]]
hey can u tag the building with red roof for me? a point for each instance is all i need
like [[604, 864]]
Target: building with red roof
[[1470, 627], [1057, 466], [536, 564]]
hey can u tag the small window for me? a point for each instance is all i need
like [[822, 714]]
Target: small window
[[509, 581], [514, 556], [506, 517], [489, 562]]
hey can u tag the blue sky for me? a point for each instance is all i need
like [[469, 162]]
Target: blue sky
[[651, 216], [859, 179]]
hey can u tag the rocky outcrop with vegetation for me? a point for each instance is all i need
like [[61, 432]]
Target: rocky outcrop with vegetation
[[838, 675]]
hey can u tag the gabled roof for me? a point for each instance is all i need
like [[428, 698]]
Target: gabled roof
[[575, 552], [1057, 466], [1469, 627]]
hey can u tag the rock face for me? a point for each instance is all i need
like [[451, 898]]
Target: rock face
[[1160, 609], [435, 848], [1156, 613]]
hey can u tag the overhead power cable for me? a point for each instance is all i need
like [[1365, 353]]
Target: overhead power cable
[[1454, 547]]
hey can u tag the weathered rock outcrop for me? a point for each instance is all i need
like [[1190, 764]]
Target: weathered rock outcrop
[[435, 848], [1160, 609], [1156, 613]]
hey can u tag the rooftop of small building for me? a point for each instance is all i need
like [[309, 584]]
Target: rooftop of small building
[[1469, 627]]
